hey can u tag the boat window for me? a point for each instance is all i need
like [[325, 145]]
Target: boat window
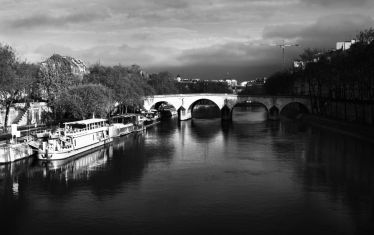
[[78, 126]]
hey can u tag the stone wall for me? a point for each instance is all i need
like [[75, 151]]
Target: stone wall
[[30, 115]]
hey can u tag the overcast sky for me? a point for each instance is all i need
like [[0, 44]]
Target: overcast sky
[[196, 38]]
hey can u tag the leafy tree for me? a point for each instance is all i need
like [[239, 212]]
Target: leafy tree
[[366, 36], [128, 84], [29, 72], [83, 101], [55, 75], [309, 54], [204, 87], [280, 83], [340, 83], [163, 83], [16, 79]]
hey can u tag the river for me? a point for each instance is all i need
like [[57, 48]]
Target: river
[[199, 177]]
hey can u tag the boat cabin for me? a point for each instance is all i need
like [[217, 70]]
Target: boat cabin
[[124, 119], [84, 125]]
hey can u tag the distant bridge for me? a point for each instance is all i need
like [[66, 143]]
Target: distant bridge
[[184, 103]]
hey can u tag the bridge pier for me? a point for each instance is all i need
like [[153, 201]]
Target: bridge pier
[[273, 113], [184, 114], [226, 113]]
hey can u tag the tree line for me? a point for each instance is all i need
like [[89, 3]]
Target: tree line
[[339, 83], [102, 91]]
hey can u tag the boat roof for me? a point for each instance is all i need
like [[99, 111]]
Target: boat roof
[[87, 121], [124, 115]]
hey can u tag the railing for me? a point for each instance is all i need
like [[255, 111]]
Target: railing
[[225, 94], [191, 94], [73, 131]]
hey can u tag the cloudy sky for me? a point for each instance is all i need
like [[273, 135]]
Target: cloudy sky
[[196, 38]]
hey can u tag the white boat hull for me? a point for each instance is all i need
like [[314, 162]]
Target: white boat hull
[[51, 155]]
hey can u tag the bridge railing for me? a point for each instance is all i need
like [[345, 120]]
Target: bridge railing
[[226, 94]]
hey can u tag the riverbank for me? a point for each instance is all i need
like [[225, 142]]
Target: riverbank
[[360, 131]]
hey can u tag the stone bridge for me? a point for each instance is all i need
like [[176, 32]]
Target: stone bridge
[[184, 103]]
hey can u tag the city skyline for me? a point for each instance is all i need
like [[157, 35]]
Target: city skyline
[[207, 39]]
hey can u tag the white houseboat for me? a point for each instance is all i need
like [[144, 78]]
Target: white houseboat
[[75, 138]]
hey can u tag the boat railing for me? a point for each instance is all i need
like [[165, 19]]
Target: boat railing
[[76, 130]]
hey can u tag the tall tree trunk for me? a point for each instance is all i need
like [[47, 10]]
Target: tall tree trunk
[[345, 109], [7, 109], [356, 110], [372, 114], [344, 100]]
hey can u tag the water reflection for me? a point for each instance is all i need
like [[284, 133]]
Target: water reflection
[[199, 175], [78, 167], [98, 168], [244, 113], [205, 129], [16, 168], [342, 167]]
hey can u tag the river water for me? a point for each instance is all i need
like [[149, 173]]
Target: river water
[[199, 177]]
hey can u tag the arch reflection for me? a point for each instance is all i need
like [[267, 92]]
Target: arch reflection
[[249, 112]]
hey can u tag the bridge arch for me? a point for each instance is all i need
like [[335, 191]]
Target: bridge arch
[[166, 109], [184, 102], [293, 109], [157, 103], [202, 100]]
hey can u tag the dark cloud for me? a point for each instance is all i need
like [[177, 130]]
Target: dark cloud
[[42, 20], [182, 35], [341, 3], [236, 60], [106, 54], [239, 60], [323, 33], [217, 72], [174, 4], [232, 54]]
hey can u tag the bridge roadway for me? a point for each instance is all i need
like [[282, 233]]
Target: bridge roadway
[[184, 103]]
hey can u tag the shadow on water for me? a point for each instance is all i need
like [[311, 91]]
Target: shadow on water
[[333, 166], [104, 172], [263, 177], [104, 169], [341, 166], [249, 112], [205, 129]]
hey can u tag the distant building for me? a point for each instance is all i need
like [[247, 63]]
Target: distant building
[[250, 83], [243, 84], [178, 78], [299, 64], [345, 45], [185, 80], [259, 81], [231, 82], [76, 66]]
